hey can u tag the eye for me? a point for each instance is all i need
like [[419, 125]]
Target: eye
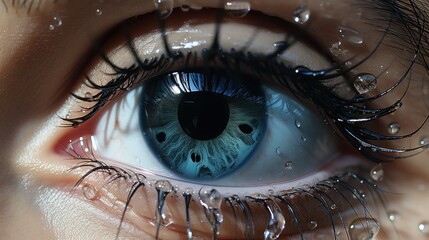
[[200, 111]]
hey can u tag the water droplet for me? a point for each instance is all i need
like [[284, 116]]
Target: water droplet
[[89, 192], [165, 7], [98, 12], [377, 173], [304, 139], [211, 200], [278, 151], [334, 206], [424, 227], [276, 222], [185, 7], [337, 50], [237, 8], [394, 128], [88, 95], [297, 123], [364, 229], [365, 83], [58, 21], [163, 187], [51, 27], [312, 225], [289, 165], [350, 35], [424, 141], [392, 215], [301, 14], [188, 191]]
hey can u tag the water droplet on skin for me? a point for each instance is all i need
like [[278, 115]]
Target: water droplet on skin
[[165, 7], [304, 139], [365, 83], [185, 7], [392, 215], [312, 225], [394, 128], [364, 229], [89, 192], [51, 27], [58, 21], [377, 173], [276, 222], [334, 206], [301, 14], [237, 8], [297, 123], [424, 141], [337, 50], [88, 95], [98, 12], [350, 35], [424, 227], [211, 200], [278, 151], [289, 165]]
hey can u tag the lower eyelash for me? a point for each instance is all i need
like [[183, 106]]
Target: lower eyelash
[[353, 190]]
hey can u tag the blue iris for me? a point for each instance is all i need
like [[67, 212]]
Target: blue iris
[[202, 126]]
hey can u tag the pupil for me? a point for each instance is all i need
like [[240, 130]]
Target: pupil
[[203, 115]]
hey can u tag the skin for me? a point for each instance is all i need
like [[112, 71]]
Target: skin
[[35, 202]]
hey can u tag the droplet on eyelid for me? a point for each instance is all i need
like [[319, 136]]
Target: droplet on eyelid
[[58, 21], [424, 227], [364, 229], [394, 128], [237, 8], [89, 192], [365, 83], [392, 216], [98, 12], [211, 200], [377, 173], [312, 225], [301, 14], [304, 139], [165, 7], [185, 7], [51, 27], [350, 35], [424, 141]]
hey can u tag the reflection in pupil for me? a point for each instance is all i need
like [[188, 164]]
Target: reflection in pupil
[[203, 115]]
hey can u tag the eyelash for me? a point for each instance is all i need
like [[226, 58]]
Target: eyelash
[[343, 115]]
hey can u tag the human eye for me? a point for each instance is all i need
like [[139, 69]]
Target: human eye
[[179, 127]]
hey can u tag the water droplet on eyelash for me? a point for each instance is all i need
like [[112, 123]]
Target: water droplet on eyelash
[[350, 35], [394, 128], [237, 8], [165, 7], [392, 216], [68, 116], [301, 14], [289, 165], [364, 229], [277, 222], [297, 123], [365, 83], [278, 151], [211, 200], [163, 187], [98, 12], [424, 227], [89, 192], [312, 225], [377, 173]]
